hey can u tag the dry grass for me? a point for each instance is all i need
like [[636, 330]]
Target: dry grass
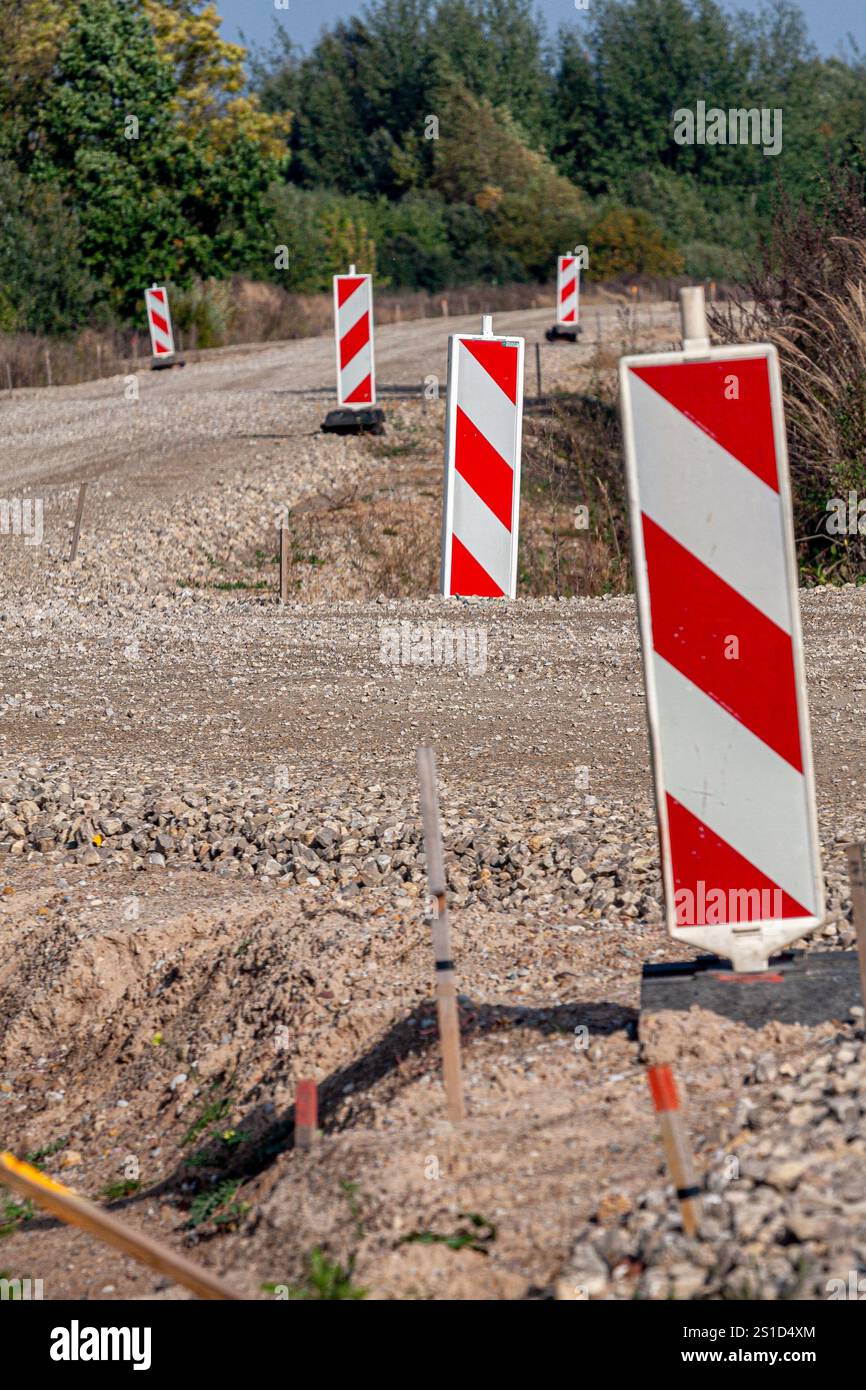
[[807, 295], [243, 311], [574, 535], [231, 313]]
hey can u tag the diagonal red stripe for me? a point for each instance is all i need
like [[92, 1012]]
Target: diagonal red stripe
[[159, 349], [567, 262], [695, 616], [362, 392], [468, 577], [568, 289], [483, 468], [346, 286], [498, 360], [159, 321], [357, 336], [742, 423], [703, 864], [158, 294]]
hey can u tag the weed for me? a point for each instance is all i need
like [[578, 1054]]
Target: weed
[[326, 1279], [211, 1114], [13, 1214], [217, 1205], [229, 585], [115, 1191], [36, 1158], [478, 1236]]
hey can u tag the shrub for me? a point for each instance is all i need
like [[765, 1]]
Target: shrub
[[629, 241]]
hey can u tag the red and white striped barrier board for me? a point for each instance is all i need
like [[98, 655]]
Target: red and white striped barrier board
[[159, 321], [353, 330], [716, 581], [567, 289], [482, 465]]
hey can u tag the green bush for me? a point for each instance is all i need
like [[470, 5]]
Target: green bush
[[44, 286], [629, 241]]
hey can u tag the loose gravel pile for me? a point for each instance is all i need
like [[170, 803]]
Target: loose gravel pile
[[784, 1213]]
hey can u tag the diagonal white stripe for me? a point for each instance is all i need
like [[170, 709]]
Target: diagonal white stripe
[[354, 372], [354, 308], [482, 533], [487, 406], [710, 502], [160, 339], [735, 783]]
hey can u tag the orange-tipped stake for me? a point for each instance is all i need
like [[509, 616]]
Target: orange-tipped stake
[[306, 1114], [77, 1211], [677, 1148], [446, 977]]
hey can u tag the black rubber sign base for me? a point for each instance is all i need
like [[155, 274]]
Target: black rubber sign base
[[368, 419], [162, 364], [558, 333], [806, 987]]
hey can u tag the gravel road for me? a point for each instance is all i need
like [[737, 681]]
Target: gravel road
[[211, 854]]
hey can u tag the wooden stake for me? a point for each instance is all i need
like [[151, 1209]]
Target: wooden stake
[[9, 378], [76, 529], [306, 1114], [676, 1145], [857, 880], [538, 366], [284, 564], [77, 1211], [48, 366], [446, 977]]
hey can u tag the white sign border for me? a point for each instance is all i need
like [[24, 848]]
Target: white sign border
[[572, 323], [354, 405], [724, 939], [450, 450], [160, 356]]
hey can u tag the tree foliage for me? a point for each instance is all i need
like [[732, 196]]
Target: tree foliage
[[437, 141]]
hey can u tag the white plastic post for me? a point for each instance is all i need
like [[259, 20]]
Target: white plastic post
[[693, 314]]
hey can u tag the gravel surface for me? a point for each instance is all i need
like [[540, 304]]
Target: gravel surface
[[213, 877]]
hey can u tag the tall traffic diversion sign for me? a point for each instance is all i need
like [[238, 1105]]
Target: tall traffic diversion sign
[[567, 299], [482, 464], [716, 580], [161, 331], [356, 366]]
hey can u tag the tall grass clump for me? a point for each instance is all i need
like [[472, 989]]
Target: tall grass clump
[[806, 292]]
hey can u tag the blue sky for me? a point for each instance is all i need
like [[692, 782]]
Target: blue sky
[[829, 20]]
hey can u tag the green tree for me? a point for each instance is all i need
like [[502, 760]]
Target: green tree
[[44, 286], [152, 201]]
